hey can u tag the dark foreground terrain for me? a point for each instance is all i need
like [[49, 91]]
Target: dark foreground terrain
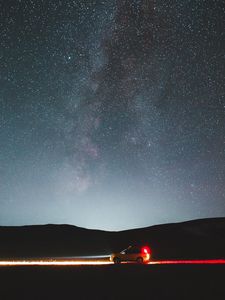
[[127, 281], [197, 239]]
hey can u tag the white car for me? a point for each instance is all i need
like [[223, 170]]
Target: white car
[[138, 254]]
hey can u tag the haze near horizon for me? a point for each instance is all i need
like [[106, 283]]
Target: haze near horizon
[[112, 113]]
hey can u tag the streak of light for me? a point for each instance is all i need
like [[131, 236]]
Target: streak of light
[[52, 263], [61, 262], [172, 262]]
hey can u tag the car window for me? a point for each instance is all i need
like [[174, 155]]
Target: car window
[[133, 250]]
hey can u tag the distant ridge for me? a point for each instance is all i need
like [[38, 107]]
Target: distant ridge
[[195, 239]]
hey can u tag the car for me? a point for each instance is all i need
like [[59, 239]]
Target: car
[[138, 254]]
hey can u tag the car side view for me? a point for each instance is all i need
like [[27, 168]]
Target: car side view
[[138, 254]]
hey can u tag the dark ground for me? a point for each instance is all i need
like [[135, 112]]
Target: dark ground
[[110, 282], [196, 239]]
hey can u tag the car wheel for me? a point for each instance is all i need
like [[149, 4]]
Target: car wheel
[[139, 260], [117, 260]]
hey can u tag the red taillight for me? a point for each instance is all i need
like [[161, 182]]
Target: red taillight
[[146, 250]]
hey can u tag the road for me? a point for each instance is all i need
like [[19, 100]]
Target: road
[[96, 278], [78, 261]]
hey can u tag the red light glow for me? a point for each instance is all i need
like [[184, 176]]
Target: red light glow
[[146, 250], [200, 262]]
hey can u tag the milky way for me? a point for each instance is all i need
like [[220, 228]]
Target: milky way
[[112, 113]]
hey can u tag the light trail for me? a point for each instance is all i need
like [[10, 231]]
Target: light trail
[[71, 262], [52, 263], [191, 262]]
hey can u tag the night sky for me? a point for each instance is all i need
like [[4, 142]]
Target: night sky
[[112, 112]]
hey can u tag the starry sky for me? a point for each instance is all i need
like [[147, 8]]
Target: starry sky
[[112, 112]]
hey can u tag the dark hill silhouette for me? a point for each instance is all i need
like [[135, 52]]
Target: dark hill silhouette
[[197, 239]]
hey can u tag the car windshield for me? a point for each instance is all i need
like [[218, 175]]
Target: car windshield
[[126, 249], [131, 250]]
